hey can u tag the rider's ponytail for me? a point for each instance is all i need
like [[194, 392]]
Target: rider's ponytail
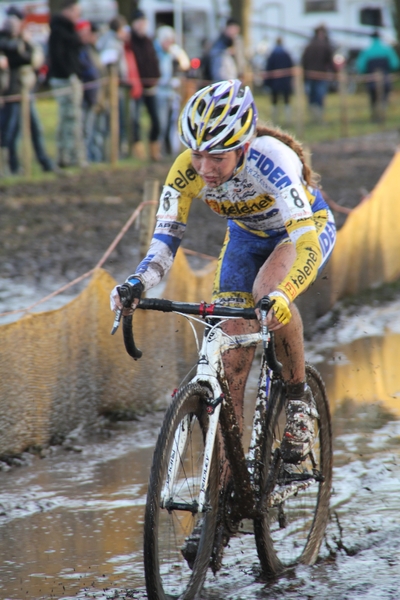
[[310, 177]]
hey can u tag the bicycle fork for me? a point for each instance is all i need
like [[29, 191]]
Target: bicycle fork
[[209, 365]]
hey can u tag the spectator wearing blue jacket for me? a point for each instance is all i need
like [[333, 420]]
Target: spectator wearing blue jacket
[[280, 84], [378, 57], [215, 59]]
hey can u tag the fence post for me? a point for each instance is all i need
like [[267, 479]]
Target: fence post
[[344, 117], [299, 94], [380, 96], [26, 121], [148, 215], [188, 88], [114, 114]]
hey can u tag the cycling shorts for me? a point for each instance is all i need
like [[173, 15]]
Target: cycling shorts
[[243, 254]]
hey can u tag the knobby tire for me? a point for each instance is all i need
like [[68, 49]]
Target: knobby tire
[[167, 573], [292, 532]]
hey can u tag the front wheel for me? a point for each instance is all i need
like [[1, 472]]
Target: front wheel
[[296, 497], [177, 539]]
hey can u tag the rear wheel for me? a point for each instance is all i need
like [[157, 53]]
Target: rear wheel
[[176, 530], [296, 499]]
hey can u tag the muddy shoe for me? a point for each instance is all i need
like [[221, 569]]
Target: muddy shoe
[[298, 435], [221, 540], [191, 545]]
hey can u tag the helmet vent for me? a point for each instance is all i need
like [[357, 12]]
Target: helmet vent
[[201, 107], [217, 111]]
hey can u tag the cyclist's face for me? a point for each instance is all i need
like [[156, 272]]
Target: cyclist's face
[[215, 168]]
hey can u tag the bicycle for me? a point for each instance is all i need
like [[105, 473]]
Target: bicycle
[[187, 511]]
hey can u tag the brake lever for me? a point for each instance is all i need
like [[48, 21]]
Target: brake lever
[[117, 320], [125, 296]]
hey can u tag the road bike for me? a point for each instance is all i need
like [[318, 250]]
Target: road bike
[[191, 511]]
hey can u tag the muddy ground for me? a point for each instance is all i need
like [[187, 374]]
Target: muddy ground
[[55, 230]]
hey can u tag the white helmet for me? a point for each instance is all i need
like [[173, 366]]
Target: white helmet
[[219, 117]]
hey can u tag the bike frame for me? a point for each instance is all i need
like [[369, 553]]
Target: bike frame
[[210, 374]]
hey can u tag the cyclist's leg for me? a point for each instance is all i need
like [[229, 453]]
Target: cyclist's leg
[[288, 339]]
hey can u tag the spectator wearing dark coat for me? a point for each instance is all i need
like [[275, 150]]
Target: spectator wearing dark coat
[[317, 62], [16, 46], [64, 76], [280, 84], [149, 71]]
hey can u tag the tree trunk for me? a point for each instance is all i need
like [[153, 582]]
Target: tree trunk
[[127, 8], [396, 19], [54, 6], [240, 10]]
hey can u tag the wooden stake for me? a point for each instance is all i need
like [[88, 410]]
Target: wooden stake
[[114, 115], [148, 215], [26, 124]]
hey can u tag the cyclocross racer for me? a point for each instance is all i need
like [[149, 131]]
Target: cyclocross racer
[[280, 234]]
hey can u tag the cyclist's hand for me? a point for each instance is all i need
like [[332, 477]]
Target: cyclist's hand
[[280, 308], [126, 296]]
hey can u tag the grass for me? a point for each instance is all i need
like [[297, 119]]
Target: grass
[[358, 124]]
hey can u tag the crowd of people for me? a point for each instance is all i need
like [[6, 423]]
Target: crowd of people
[[80, 55], [76, 65], [317, 61]]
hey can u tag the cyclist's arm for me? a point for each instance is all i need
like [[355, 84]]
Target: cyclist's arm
[[308, 258], [181, 186], [298, 218]]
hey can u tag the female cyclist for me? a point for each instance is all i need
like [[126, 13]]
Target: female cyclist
[[280, 234]]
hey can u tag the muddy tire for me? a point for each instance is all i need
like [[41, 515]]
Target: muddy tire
[[291, 530], [168, 574]]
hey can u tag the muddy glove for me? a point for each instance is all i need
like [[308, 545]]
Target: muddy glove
[[281, 307], [125, 294]]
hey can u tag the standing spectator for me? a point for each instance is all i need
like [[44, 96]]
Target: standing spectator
[[112, 52], [90, 73], [21, 57], [378, 57], [279, 84], [149, 70], [172, 60], [64, 78], [218, 67], [317, 62], [115, 48], [97, 129]]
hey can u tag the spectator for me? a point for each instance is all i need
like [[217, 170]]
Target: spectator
[[91, 72], [64, 77], [217, 66], [111, 48], [172, 60], [317, 62], [22, 57], [279, 84], [378, 57], [116, 49], [149, 71]]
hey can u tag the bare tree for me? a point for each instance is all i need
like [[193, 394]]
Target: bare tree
[[240, 10], [396, 18], [127, 8]]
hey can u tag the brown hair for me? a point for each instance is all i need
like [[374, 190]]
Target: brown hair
[[310, 177]]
